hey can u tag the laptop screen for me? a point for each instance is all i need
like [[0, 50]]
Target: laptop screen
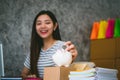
[[2, 74], [1, 61]]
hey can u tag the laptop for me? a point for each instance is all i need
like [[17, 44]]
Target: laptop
[[1, 61], [2, 73]]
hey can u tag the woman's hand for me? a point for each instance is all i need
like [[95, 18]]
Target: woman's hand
[[72, 49], [26, 73], [32, 76]]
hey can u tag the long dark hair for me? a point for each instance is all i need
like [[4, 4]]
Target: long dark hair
[[37, 41]]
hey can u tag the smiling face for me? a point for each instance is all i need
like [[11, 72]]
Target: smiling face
[[45, 26]]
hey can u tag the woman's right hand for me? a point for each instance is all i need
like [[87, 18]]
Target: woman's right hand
[[71, 48], [31, 76], [25, 72]]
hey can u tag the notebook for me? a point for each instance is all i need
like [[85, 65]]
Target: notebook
[[2, 73]]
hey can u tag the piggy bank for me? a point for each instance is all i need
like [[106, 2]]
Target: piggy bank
[[62, 58]]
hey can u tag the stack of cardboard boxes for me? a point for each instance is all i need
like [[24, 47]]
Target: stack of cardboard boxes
[[106, 53]]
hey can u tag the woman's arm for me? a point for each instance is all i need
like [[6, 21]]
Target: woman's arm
[[25, 72]]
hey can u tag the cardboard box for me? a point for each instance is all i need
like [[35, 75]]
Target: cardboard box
[[118, 47], [118, 67], [106, 53], [81, 66], [105, 63], [102, 49], [57, 73]]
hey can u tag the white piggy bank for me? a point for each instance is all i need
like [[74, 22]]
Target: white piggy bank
[[62, 58]]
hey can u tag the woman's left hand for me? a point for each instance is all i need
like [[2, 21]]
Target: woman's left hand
[[72, 49]]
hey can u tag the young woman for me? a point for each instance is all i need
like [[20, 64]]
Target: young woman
[[45, 40]]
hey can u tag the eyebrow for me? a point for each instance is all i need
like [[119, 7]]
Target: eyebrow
[[40, 20]]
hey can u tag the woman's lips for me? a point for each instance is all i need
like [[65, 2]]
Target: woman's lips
[[43, 32]]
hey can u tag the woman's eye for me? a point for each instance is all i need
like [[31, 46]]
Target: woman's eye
[[38, 23], [47, 22]]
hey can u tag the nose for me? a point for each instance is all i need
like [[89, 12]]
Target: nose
[[43, 25]]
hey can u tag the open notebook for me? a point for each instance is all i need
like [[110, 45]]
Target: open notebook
[[2, 73]]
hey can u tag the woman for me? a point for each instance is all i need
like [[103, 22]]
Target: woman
[[45, 40]]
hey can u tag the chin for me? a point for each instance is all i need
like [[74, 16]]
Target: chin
[[44, 36]]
